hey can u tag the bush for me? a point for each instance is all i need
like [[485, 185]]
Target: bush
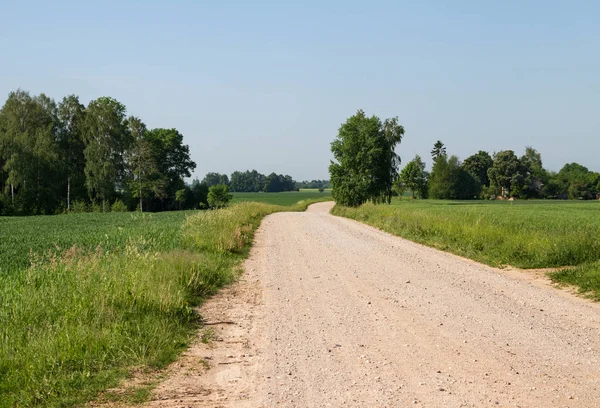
[[218, 196], [119, 206], [79, 206], [96, 207]]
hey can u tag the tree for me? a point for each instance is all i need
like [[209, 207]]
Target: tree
[[212, 179], [71, 114], [438, 150], [107, 139], [273, 184], [478, 165], [535, 175], [577, 181], [414, 177], [506, 174], [173, 161], [366, 163], [199, 194], [28, 134], [448, 180], [248, 181], [218, 196], [144, 179]]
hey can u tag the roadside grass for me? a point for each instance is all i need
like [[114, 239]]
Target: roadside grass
[[288, 198], [534, 234], [585, 277], [75, 321]]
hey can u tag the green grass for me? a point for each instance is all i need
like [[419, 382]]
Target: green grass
[[117, 295], [286, 198], [525, 234]]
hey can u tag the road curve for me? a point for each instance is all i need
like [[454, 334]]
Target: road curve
[[339, 314]]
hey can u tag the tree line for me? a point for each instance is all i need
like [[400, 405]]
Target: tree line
[[65, 156], [365, 168], [501, 175], [252, 182]]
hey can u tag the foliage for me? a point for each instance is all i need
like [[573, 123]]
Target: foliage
[[253, 182], [366, 163], [438, 150], [414, 177], [118, 206], [106, 137], [212, 179], [324, 184], [52, 155], [275, 183], [506, 175], [218, 196], [448, 180], [478, 165]]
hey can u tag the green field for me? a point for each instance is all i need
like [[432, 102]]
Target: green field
[[286, 199], [40, 234], [87, 298], [525, 234]]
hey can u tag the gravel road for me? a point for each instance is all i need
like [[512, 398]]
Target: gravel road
[[333, 313]]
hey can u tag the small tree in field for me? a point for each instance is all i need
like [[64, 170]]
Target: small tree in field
[[218, 196], [414, 177]]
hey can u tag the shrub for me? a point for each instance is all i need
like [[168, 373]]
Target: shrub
[[118, 206], [79, 206]]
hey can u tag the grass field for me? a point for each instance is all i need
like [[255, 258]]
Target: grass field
[[86, 298], [285, 199], [525, 234]]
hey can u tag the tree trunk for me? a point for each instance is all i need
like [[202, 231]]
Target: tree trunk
[[69, 194], [141, 202], [12, 193]]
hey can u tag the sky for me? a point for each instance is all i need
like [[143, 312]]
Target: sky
[[266, 85]]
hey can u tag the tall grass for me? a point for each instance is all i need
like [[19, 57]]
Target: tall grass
[[76, 321]]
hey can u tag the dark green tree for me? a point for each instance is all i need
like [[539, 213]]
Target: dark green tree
[[212, 179], [366, 163], [448, 180], [478, 165], [535, 174], [173, 161], [438, 150], [506, 174]]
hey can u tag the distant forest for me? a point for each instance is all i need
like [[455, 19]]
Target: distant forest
[[251, 181]]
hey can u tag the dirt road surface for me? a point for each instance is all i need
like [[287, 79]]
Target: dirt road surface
[[332, 313]]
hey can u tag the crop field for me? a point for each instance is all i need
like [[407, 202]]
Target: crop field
[[524, 234], [286, 198], [23, 236]]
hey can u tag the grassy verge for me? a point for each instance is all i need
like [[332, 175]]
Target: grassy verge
[[75, 322], [525, 235]]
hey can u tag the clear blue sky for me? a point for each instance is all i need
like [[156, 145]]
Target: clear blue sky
[[266, 85]]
